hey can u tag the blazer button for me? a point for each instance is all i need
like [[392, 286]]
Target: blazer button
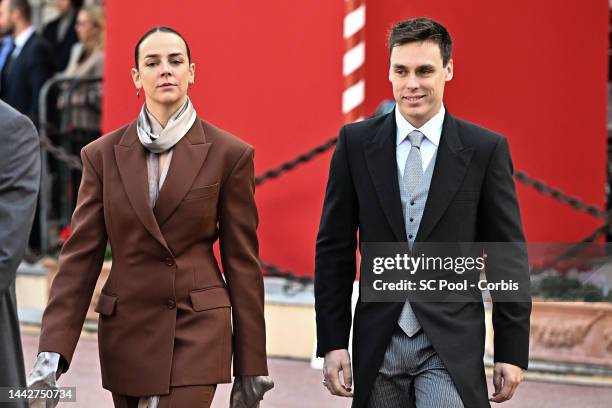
[[169, 261], [171, 304]]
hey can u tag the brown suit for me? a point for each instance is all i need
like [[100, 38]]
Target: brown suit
[[165, 309]]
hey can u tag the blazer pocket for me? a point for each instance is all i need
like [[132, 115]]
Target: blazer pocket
[[209, 298], [106, 304], [202, 192], [466, 196]]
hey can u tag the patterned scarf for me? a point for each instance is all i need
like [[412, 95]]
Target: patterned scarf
[[157, 139], [178, 125]]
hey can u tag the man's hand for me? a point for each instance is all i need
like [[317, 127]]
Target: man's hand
[[506, 378], [336, 361]]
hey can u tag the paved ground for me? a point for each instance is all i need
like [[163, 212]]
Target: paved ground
[[299, 386]]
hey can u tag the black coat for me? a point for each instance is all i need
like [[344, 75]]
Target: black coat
[[472, 198], [25, 76], [61, 49]]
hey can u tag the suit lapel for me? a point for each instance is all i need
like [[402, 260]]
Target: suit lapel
[[452, 161], [11, 63], [187, 160], [131, 161], [382, 165]]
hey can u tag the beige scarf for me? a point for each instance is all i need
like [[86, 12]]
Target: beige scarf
[[178, 125], [158, 139]]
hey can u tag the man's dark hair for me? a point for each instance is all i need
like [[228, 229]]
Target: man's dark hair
[[422, 29], [23, 6], [159, 29]]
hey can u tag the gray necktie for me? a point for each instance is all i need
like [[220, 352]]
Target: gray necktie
[[413, 172]]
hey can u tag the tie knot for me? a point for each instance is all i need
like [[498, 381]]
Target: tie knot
[[415, 138]]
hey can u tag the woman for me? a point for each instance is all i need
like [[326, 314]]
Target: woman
[[79, 103], [162, 190], [81, 106]]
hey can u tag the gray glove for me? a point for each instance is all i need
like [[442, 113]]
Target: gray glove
[[43, 376], [248, 390]]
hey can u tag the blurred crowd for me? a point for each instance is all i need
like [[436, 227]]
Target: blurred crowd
[[51, 67]]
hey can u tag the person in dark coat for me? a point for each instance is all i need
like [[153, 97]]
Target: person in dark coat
[[419, 175], [60, 33], [26, 70], [30, 63]]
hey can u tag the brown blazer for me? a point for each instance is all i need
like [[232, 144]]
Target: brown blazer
[[165, 309]]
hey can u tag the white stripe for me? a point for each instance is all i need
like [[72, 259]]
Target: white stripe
[[354, 21], [353, 58], [353, 96]]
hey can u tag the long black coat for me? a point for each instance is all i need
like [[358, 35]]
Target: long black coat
[[60, 49], [471, 199]]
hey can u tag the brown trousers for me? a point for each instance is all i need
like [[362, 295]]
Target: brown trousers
[[196, 396]]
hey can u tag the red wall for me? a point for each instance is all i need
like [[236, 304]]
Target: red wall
[[270, 72]]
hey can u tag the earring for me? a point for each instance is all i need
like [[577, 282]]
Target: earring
[[138, 93]]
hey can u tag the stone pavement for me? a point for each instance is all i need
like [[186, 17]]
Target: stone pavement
[[299, 386]]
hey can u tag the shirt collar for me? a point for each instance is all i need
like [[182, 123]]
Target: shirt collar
[[23, 38], [432, 129]]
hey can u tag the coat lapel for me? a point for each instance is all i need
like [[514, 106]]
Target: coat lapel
[[382, 165], [132, 164], [187, 160], [450, 168], [12, 66]]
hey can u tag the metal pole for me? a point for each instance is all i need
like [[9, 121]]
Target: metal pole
[[353, 68]]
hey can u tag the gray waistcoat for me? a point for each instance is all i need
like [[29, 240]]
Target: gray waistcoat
[[418, 197], [413, 206]]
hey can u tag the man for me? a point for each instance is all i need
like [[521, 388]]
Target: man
[[60, 33], [417, 174], [19, 183], [29, 65], [27, 68]]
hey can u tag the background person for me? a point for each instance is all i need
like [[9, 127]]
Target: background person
[[86, 60], [61, 33], [27, 68], [29, 64], [80, 105]]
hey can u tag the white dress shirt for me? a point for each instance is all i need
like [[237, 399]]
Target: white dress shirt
[[432, 130], [21, 40]]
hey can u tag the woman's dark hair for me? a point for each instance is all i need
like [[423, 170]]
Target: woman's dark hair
[[159, 29]]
